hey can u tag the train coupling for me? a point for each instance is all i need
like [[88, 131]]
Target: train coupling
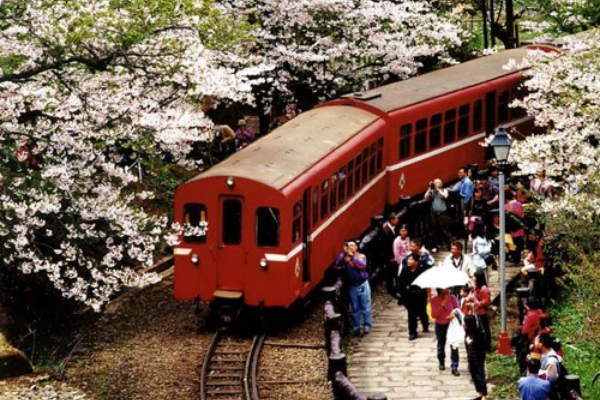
[[227, 306]]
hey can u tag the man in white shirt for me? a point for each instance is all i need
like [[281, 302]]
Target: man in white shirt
[[458, 260]]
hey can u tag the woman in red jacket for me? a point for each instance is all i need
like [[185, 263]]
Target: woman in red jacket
[[480, 300], [531, 321]]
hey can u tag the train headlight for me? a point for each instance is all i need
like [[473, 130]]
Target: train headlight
[[230, 182], [263, 263], [195, 259]]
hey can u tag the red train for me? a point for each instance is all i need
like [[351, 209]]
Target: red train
[[279, 211]]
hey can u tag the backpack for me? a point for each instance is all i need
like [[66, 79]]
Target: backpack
[[558, 388]]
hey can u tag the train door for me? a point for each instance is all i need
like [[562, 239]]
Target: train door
[[231, 250], [490, 112], [306, 236]]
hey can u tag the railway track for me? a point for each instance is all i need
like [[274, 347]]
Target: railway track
[[229, 368]]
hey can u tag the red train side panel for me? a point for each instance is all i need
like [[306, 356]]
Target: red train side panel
[[279, 211]]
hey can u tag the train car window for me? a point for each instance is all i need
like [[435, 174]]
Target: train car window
[[350, 180], [477, 115], [365, 166], [463, 120], [315, 206], [267, 227], [503, 99], [297, 222], [421, 136], [435, 131], [490, 111], [324, 197], [333, 192], [372, 159], [450, 126], [357, 165], [232, 221], [342, 185], [194, 214], [405, 132], [517, 112], [379, 154]]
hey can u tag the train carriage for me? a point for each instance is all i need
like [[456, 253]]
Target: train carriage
[[264, 216], [279, 210]]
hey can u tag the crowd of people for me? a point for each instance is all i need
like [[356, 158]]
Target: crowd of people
[[467, 306]]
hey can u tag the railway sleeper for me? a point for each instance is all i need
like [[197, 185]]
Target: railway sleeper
[[228, 360], [230, 368], [225, 375], [230, 352], [212, 382], [219, 391]]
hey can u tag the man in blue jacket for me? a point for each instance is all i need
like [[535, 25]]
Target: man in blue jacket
[[359, 291]]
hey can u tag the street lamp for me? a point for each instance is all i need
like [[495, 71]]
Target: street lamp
[[501, 143]]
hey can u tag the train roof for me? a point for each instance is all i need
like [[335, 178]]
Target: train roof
[[313, 134], [438, 83], [301, 142]]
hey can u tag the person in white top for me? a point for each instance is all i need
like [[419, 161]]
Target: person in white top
[[458, 260]]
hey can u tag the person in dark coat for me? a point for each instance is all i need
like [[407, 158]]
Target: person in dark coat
[[415, 298], [475, 346], [390, 267]]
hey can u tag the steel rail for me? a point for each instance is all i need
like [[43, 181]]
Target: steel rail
[[250, 380]]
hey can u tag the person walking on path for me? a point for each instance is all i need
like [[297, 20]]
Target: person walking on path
[[458, 260], [414, 298], [475, 347], [443, 308], [359, 290], [480, 300]]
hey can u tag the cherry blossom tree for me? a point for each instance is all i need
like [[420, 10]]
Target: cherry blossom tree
[[560, 16], [83, 85], [564, 98], [321, 48], [87, 85]]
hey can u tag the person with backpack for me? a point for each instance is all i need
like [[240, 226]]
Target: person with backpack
[[553, 368], [531, 386]]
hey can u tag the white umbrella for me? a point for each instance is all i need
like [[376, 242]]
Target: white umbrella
[[441, 277]]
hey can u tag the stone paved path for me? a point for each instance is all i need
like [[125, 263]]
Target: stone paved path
[[385, 361]]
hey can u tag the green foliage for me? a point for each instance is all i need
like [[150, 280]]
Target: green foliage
[[163, 178], [11, 62], [503, 373], [579, 333], [569, 17]]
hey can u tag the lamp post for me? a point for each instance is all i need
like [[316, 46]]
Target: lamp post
[[501, 143]]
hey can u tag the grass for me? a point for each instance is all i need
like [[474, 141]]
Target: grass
[[580, 342], [581, 346]]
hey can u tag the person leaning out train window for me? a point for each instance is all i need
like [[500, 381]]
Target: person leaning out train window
[[359, 290]]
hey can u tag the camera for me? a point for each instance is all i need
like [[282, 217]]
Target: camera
[[431, 185]]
